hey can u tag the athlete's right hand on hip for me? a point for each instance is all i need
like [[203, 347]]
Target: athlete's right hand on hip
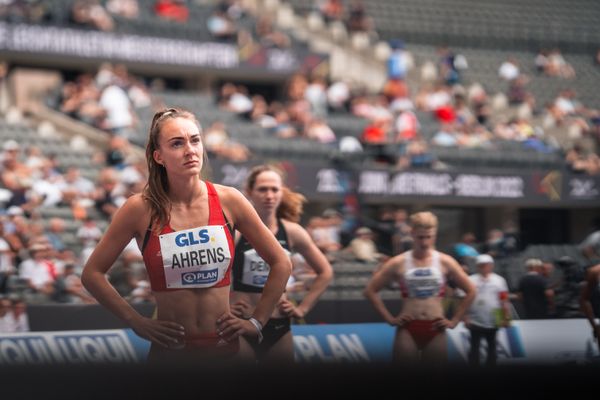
[[401, 320], [163, 333]]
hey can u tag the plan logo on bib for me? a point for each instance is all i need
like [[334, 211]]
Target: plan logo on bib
[[200, 277]]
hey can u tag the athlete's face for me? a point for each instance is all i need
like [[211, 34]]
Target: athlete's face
[[180, 148], [267, 191], [423, 239]]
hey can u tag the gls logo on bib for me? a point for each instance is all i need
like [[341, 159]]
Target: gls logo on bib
[[184, 239]]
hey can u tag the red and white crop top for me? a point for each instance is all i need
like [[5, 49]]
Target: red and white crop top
[[422, 282], [193, 258]]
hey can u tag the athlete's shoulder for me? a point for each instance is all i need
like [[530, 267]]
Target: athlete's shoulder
[[291, 227], [227, 193], [133, 214], [136, 204], [136, 199], [447, 259], [398, 260], [234, 204], [297, 236], [593, 271]]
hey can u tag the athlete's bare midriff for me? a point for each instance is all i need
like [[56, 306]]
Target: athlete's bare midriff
[[196, 309], [423, 309]]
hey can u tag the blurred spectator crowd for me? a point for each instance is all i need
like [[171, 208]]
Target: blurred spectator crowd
[[37, 266]]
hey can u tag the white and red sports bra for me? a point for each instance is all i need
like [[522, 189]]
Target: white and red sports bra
[[422, 282]]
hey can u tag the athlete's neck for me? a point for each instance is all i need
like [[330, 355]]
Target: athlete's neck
[[421, 254], [186, 193], [270, 220]]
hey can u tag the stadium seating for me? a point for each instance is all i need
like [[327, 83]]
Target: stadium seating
[[55, 145], [508, 25], [513, 268], [486, 33]]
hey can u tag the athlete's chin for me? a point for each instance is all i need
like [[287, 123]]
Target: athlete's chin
[[192, 171]]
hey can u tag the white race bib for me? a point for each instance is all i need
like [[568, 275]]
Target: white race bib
[[256, 270], [423, 282], [195, 258]]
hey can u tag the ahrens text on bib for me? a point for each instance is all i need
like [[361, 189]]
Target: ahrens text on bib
[[195, 258]]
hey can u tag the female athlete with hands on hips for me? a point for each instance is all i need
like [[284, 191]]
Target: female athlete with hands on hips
[[279, 208], [422, 274], [184, 227]]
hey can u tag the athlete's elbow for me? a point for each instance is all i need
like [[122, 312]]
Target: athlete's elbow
[[86, 279], [327, 275], [471, 293], [286, 267]]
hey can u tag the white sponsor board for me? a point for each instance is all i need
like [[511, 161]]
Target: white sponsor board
[[440, 184], [536, 341], [552, 342], [108, 45], [70, 347]]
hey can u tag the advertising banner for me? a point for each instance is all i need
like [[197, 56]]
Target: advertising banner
[[322, 181], [343, 342], [525, 342], [89, 44], [36, 39], [70, 347]]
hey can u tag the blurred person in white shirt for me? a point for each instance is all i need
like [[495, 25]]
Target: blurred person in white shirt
[[7, 266], [489, 311], [363, 247], [5, 315], [40, 270], [509, 69], [19, 316], [338, 95], [317, 129]]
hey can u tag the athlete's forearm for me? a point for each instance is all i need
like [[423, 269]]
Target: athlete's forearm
[[379, 305], [588, 311], [585, 303], [317, 288], [463, 307], [272, 291], [98, 286]]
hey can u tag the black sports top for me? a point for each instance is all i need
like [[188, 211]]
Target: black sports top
[[249, 270]]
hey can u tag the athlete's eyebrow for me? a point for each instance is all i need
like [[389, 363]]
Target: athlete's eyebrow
[[197, 135]]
